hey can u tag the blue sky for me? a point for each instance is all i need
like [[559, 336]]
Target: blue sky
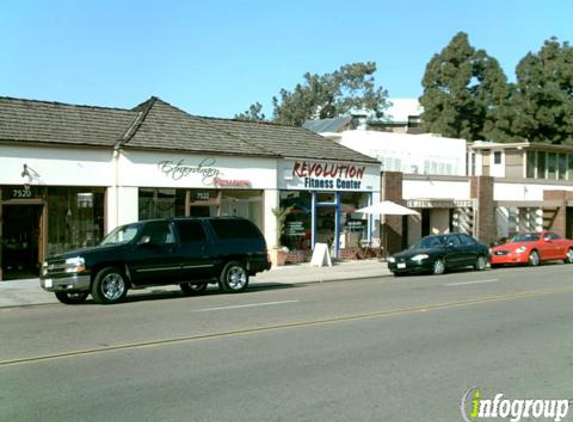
[[216, 57]]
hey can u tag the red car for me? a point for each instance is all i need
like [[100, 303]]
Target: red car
[[532, 248]]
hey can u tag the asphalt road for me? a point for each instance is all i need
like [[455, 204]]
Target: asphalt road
[[388, 349]]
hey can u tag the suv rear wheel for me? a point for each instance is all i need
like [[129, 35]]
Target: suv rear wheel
[[233, 278], [109, 286]]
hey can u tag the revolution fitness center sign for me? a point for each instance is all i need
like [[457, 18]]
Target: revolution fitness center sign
[[328, 176]]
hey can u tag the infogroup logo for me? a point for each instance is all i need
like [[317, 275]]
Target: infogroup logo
[[474, 407]]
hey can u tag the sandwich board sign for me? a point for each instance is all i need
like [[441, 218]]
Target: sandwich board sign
[[321, 256]]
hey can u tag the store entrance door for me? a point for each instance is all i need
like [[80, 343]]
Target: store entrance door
[[21, 228]]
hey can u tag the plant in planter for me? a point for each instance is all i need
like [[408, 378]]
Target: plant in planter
[[279, 252]]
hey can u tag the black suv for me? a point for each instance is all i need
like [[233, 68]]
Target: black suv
[[191, 252]]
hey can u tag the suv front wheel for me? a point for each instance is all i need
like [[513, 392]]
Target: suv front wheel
[[109, 286], [233, 278]]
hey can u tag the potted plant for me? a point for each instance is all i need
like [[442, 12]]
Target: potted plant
[[279, 252]]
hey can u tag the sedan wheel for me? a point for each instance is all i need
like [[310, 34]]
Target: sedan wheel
[[439, 266], [533, 259], [481, 263]]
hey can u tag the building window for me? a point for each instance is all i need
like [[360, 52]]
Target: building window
[[497, 157], [531, 164], [296, 232], [75, 218], [562, 166], [570, 170], [552, 166], [541, 165], [161, 203]]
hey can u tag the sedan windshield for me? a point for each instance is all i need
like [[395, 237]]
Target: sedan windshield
[[429, 242], [527, 237], [120, 235]]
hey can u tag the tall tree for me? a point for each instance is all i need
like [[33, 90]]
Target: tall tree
[[330, 95], [254, 113], [461, 87], [540, 108]]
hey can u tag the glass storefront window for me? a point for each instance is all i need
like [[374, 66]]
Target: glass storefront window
[[354, 226], [75, 218], [296, 232], [161, 203]]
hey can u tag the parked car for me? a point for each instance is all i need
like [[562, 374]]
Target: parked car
[[191, 252], [532, 249], [438, 253]]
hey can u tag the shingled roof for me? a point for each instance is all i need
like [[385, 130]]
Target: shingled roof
[[31, 121], [289, 141], [165, 127], [157, 125]]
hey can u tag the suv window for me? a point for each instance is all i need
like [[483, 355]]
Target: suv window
[[191, 232], [230, 229], [160, 232]]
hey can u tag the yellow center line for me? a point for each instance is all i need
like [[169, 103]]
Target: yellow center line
[[300, 324]]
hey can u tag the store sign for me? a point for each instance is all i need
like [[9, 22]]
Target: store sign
[[322, 175], [439, 203], [205, 170]]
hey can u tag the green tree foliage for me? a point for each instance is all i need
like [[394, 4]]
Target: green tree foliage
[[462, 87], [540, 105], [254, 113], [330, 95]]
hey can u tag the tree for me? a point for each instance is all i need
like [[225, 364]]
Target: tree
[[330, 95], [254, 113], [461, 88], [540, 108]]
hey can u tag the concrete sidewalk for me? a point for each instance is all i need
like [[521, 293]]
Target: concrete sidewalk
[[29, 292]]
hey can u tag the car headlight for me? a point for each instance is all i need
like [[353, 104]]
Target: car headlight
[[391, 259], [521, 249], [420, 257], [75, 265]]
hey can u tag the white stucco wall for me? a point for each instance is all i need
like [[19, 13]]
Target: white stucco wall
[[436, 189], [504, 191], [57, 166], [419, 154]]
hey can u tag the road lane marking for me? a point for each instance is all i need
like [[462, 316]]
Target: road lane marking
[[274, 328], [248, 305], [465, 283]]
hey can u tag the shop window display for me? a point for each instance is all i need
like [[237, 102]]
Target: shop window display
[[297, 229], [75, 218]]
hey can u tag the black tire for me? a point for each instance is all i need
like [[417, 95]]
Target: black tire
[[481, 263], [109, 286], [71, 298], [192, 289], [495, 265], [439, 266], [533, 260], [234, 278]]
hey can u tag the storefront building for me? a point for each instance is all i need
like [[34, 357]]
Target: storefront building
[[70, 174]]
